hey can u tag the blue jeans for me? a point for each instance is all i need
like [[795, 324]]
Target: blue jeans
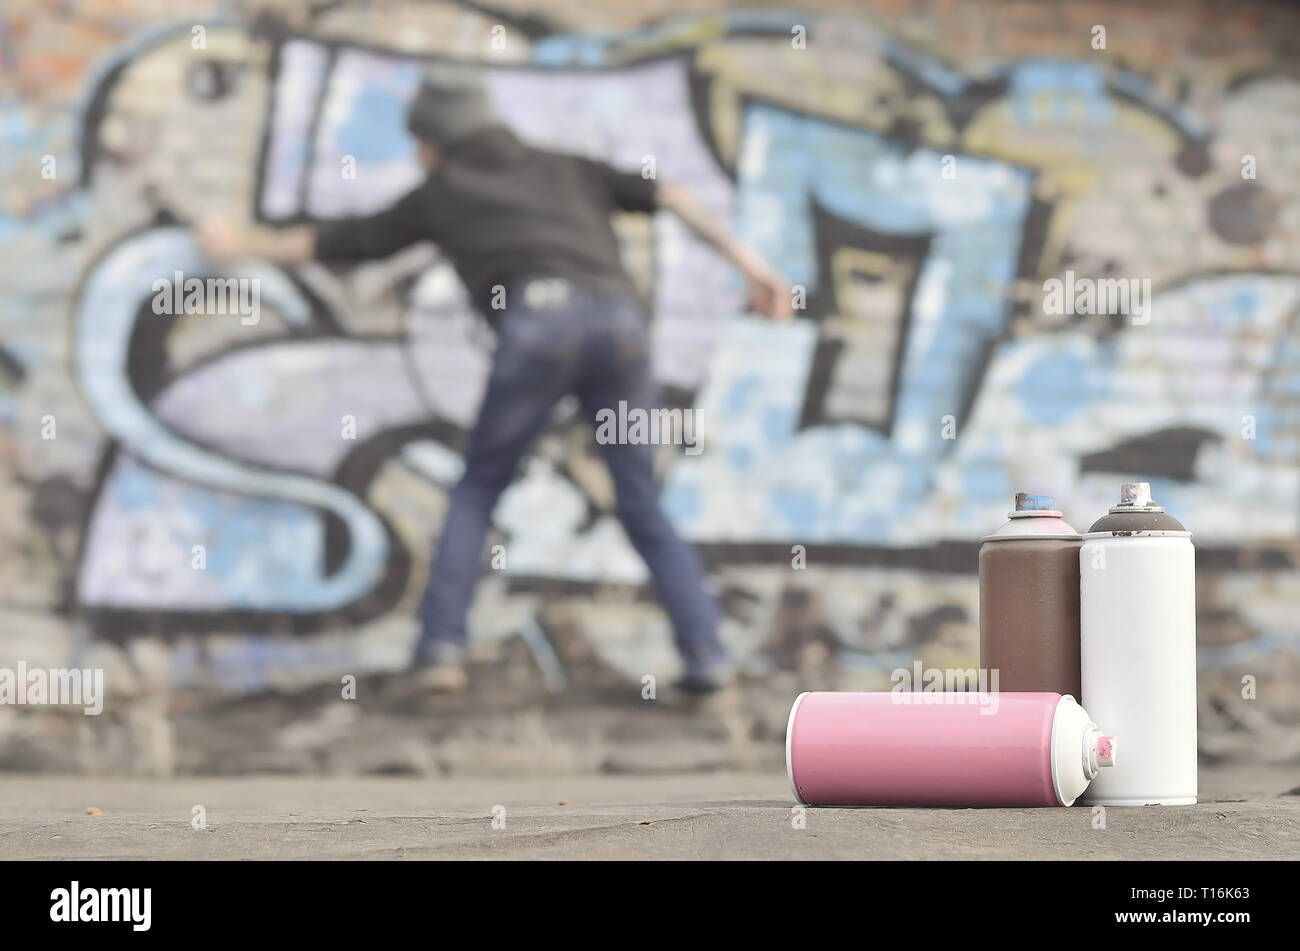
[[565, 339]]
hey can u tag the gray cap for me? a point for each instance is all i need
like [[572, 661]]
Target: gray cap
[[448, 107], [1136, 512]]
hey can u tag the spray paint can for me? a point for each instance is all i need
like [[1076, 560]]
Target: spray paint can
[[895, 748], [1137, 571], [1029, 600]]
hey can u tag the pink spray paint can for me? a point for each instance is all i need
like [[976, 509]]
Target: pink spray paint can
[[942, 749]]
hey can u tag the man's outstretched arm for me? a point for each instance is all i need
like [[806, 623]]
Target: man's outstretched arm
[[373, 236], [769, 294]]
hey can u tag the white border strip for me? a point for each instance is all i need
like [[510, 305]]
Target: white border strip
[[789, 734]]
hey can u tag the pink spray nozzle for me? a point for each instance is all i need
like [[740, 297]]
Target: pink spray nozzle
[[1105, 750]]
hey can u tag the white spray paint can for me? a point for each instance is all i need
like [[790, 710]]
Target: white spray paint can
[[1137, 635]]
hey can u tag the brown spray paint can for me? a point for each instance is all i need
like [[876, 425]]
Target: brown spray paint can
[[1029, 600]]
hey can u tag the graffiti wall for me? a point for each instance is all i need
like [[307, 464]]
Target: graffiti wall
[[216, 504]]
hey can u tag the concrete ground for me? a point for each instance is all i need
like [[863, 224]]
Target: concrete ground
[[1247, 813]]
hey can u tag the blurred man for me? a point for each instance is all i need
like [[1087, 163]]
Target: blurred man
[[529, 233]]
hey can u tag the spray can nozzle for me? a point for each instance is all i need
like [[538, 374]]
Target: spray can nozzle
[[1098, 751], [1028, 502], [1136, 497], [1135, 493]]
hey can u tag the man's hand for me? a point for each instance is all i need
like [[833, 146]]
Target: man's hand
[[769, 294], [220, 241], [223, 242]]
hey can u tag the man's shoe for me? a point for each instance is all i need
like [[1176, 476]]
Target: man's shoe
[[706, 679], [440, 669]]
